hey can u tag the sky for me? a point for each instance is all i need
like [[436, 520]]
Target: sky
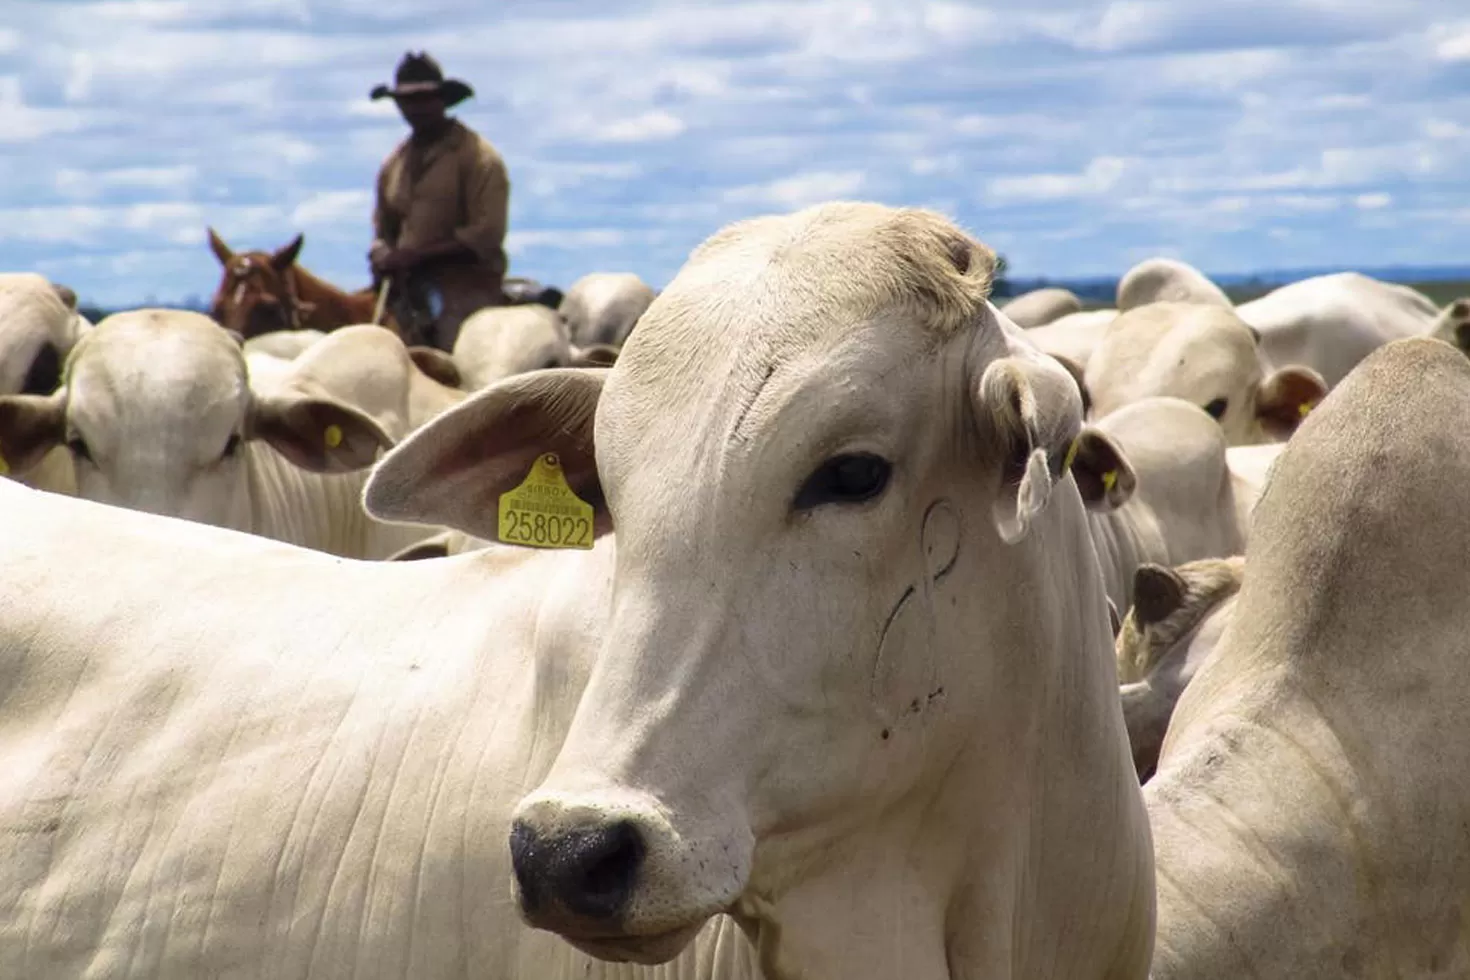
[[1076, 138]]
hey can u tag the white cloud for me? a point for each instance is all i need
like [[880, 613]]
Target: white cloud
[[9, 40], [1372, 202], [329, 208], [1100, 175], [1453, 43], [21, 123], [74, 183], [517, 242], [799, 190], [643, 128]]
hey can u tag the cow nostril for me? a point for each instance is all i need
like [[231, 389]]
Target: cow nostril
[[589, 872]]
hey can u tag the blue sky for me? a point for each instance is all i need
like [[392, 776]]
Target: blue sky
[[1076, 138]]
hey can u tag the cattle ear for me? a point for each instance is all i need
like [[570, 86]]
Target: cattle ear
[[452, 470], [1285, 398], [594, 355], [1079, 375], [1034, 407], [220, 249], [285, 256], [30, 427], [1158, 592], [236, 336], [66, 294], [318, 434], [437, 365], [1105, 478], [1115, 622]]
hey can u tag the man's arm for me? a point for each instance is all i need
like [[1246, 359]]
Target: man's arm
[[487, 205]]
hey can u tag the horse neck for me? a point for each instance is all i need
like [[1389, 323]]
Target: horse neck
[[331, 306]]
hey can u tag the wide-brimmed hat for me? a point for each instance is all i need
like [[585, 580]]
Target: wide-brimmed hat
[[419, 73]]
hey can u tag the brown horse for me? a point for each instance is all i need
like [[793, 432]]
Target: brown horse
[[265, 291]]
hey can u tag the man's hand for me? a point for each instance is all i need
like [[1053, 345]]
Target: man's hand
[[395, 260]]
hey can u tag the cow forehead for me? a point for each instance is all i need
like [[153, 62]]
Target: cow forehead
[[150, 364]]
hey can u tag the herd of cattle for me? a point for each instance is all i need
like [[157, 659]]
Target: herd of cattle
[[920, 637]]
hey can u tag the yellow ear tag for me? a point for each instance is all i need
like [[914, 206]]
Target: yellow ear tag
[[4, 467], [1110, 480], [1071, 456], [1306, 407], [333, 436], [543, 512]]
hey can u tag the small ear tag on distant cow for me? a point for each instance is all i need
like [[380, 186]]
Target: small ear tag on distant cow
[[543, 512], [1110, 480], [333, 436], [1306, 407], [4, 467]]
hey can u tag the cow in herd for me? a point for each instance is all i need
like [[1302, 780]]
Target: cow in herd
[[911, 638]]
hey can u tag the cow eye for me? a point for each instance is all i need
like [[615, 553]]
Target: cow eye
[[77, 446], [847, 479], [1217, 408], [232, 446]]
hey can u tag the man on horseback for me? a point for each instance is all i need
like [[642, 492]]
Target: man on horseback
[[440, 218]]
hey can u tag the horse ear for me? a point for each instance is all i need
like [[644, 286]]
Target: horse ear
[[285, 257], [220, 249]]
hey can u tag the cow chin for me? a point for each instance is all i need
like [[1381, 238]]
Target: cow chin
[[643, 950]]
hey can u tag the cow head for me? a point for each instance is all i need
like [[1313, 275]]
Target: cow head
[[157, 415], [858, 660]]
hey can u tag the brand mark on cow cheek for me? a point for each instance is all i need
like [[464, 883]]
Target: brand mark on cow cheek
[[901, 686]]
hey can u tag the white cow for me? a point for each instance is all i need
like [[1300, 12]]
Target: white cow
[[39, 326], [1452, 325], [157, 415], [497, 342], [1250, 468], [603, 307], [1309, 807], [1205, 354], [1155, 475], [1330, 323], [229, 756], [284, 345], [1041, 306], [1172, 629], [857, 685], [1162, 280], [1075, 336]]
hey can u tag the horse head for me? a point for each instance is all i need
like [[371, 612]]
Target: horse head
[[257, 293]]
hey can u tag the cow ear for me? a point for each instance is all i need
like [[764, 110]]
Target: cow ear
[[425, 550], [1285, 398], [318, 434], [1034, 407], [1105, 478], [1079, 375], [30, 427], [220, 249], [1158, 592], [285, 256], [452, 470], [437, 365]]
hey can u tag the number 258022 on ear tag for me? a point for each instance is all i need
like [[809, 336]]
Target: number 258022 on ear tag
[[543, 512]]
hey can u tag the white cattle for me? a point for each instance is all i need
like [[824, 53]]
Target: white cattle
[[603, 307], [1452, 325], [1162, 280], [1041, 306], [228, 756], [1172, 629], [1205, 354], [857, 684], [157, 415], [498, 342], [1330, 323], [1154, 473], [1074, 336], [1250, 468], [1309, 807], [39, 326], [285, 345]]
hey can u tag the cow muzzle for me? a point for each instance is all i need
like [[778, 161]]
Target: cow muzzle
[[616, 880]]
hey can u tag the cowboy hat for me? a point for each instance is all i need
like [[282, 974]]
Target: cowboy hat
[[420, 73]]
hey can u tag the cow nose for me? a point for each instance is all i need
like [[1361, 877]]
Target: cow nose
[[588, 871]]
